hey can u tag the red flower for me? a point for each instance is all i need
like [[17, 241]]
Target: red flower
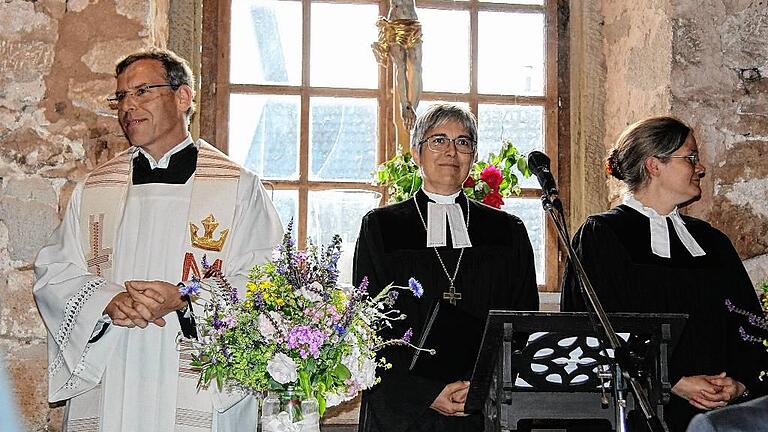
[[493, 199], [469, 182], [492, 176]]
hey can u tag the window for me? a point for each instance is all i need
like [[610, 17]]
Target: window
[[300, 99]]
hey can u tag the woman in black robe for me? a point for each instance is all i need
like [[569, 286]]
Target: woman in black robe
[[643, 256], [491, 266]]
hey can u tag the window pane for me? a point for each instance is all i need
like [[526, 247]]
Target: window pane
[[512, 63], [339, 212], [526, 2], [342, 138], [287, 206], [425, 104], [523, 125], [445, 63], [530, 211], [264, 134], [266, 42], [341, 54]]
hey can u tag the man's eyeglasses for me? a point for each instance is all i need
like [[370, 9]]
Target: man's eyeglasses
[[439, 143], [693, 158], [142, 93]]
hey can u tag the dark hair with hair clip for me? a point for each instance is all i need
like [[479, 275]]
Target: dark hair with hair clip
[[612, 167], [177, 70], [655, 136]]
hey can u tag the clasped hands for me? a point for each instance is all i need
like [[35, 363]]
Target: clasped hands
[[144, 302], [707, 392], [450, 401]]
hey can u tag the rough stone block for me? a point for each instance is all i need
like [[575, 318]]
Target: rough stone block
[[24, 61], [92, 95], [18, 314], [18, 17], [103, 56], [29, 220], [757, 267]]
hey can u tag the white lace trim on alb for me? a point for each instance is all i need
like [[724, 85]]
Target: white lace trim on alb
[[71, 312]]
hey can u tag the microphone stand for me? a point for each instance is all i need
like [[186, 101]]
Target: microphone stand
[[554, 207]]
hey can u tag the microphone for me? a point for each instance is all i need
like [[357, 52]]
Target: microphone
[[538, 163]]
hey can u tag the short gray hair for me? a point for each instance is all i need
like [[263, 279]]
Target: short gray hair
[[438, 115]]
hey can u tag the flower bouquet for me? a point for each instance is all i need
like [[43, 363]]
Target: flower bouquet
[[297, 334], [489, 181], [759, 323]]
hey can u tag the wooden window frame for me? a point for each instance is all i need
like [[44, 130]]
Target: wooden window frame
[[216, 90]]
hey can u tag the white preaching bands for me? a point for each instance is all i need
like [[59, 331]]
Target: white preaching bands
[[445, 207], [660, 231]]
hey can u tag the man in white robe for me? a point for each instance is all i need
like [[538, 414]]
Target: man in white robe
[[139, 224]]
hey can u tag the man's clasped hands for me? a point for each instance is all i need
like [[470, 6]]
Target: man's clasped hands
[[144, 302]]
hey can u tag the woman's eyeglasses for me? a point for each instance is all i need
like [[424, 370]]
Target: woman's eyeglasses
[[693, 158], [439, 143]]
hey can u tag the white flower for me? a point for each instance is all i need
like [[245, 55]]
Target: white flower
[[266, 328], [282, 368], [367, 377], [362, 369], [332, 399], [311, 295]]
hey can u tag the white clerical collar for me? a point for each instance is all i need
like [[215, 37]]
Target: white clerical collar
[[163, 162], [445, 207], [660, 232]]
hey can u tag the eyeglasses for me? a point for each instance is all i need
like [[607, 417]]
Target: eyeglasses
[[439, 143], [693, 158], [142, 93]]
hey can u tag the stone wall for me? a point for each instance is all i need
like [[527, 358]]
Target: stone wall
[[704, 62], [56, 65], [719, 84]]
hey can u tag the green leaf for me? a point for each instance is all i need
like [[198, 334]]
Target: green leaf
[[321, 403], [341, 372], [522, 166]]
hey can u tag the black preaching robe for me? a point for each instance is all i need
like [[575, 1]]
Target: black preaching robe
[[497, 272], [615, 248]]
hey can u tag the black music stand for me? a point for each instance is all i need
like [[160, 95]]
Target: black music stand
[[546, 369]]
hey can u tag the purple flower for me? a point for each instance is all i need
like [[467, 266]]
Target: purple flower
[[363, 284], [729, 305], [340, 330], [204, 261], [190, 289], [407, 336], [306, 338], [391, 298], [415, 287]]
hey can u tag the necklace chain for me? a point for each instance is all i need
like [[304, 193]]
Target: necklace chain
[[439, 258]]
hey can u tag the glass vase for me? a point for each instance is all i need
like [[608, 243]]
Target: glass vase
[[289, 411]]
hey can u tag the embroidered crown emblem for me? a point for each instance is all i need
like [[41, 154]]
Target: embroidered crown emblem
[[207, 241]]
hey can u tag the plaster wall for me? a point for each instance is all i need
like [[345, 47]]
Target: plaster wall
[[56, 67], [637, 44]]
